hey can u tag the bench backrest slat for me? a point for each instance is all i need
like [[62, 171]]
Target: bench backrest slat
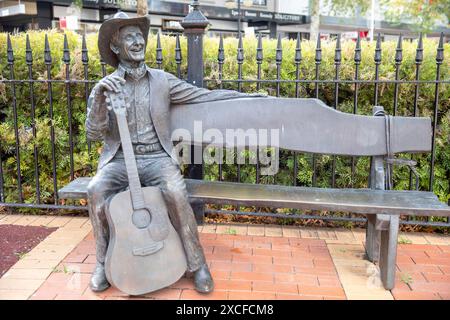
[[304, 125]]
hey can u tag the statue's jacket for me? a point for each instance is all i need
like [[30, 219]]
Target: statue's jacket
[[165, 90]]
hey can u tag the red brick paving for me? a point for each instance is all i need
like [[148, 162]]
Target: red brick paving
[[243, 267], [423, 272], [255, 267]]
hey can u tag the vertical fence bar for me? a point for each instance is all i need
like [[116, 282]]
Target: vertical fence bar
[[85, 61], [398, 62], [159, 56], [103, 65], [10, 55], [439, 60], [259, 61], [297, 60], [419, 59], [178, 56], [318, 60], [377, 60], [29, 62], [48, 63], [240, 61], [221, 60], [337, 64], [357, 60], [278, 61], [66, 60]]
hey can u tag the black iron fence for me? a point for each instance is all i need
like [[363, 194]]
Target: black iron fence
[[66, 87]]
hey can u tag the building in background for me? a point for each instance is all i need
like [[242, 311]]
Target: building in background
[[270, 17]]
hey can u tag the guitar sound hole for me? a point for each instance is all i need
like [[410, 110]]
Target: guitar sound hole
[[141, 218]]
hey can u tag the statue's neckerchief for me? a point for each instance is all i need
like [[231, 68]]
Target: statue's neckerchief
[[135, 73]]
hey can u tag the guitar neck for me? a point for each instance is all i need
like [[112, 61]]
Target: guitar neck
[[137, 197]]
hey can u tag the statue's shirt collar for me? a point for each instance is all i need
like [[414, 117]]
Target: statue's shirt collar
[[134, 73]]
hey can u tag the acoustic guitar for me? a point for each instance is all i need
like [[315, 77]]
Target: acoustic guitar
[[144, 252]]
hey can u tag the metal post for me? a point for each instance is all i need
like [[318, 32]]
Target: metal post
[[195, 24], [239, 17]]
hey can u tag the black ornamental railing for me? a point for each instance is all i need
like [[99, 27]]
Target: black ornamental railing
[[85, 83]]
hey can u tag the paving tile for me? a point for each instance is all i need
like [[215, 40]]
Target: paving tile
[[11, 218], [165, 294], [42, 221], [255, 230], [15, 294], [59, 222], [25, 220], [273, 231], [292, 232], [209, 228], [19, 284], [76, 222], [33, 274], [187, 294], [236, 295]]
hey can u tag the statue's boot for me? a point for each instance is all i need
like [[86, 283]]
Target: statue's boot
[[99, 282], [203, 280]]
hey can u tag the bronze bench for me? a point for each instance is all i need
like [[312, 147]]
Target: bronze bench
[[308, 125]]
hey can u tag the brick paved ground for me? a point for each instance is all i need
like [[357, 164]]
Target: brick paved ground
[[247, 262]]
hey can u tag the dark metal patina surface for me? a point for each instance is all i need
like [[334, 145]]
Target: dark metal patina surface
[[351, 200]]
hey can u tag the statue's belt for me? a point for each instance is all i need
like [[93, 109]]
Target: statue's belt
[[146, 148]]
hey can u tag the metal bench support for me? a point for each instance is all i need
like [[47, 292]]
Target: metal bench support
[[388, 252]]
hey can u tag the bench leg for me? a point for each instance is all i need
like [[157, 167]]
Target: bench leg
[[388, 253], [372, 239]]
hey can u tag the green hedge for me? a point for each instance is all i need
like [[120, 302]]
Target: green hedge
[[248, 173]]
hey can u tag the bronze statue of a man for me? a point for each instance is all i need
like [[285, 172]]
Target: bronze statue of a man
[[149, 93]]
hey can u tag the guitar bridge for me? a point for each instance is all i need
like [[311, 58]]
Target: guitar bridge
[[148, 250]]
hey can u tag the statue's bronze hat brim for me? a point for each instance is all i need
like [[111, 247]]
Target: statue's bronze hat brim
[[110, 26]]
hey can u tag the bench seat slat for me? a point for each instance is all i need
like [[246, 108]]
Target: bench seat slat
[[364, 201]]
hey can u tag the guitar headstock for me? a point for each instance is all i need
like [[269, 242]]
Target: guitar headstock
[[116, 101]]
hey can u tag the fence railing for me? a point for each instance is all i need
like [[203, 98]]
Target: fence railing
[[65, 137]]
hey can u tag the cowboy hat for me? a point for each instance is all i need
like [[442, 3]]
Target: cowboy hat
[[110, 26]]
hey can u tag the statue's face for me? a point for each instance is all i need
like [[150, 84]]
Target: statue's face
[[131, 44]]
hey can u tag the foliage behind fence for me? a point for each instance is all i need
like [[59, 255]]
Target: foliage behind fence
[[83, 162]]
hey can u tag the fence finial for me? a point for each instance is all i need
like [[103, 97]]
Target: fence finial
[[337, 51], [178, 56], [259, 50], [357, 57], [28, 52], [10, 52], [377, 57], [419, 50], [298, 49], [84, 51], [440, 50], [318, 57], [66, 52], [279, 51], [47, 52], [240, 53], [159, 56], [221, 53], [399, 50]]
